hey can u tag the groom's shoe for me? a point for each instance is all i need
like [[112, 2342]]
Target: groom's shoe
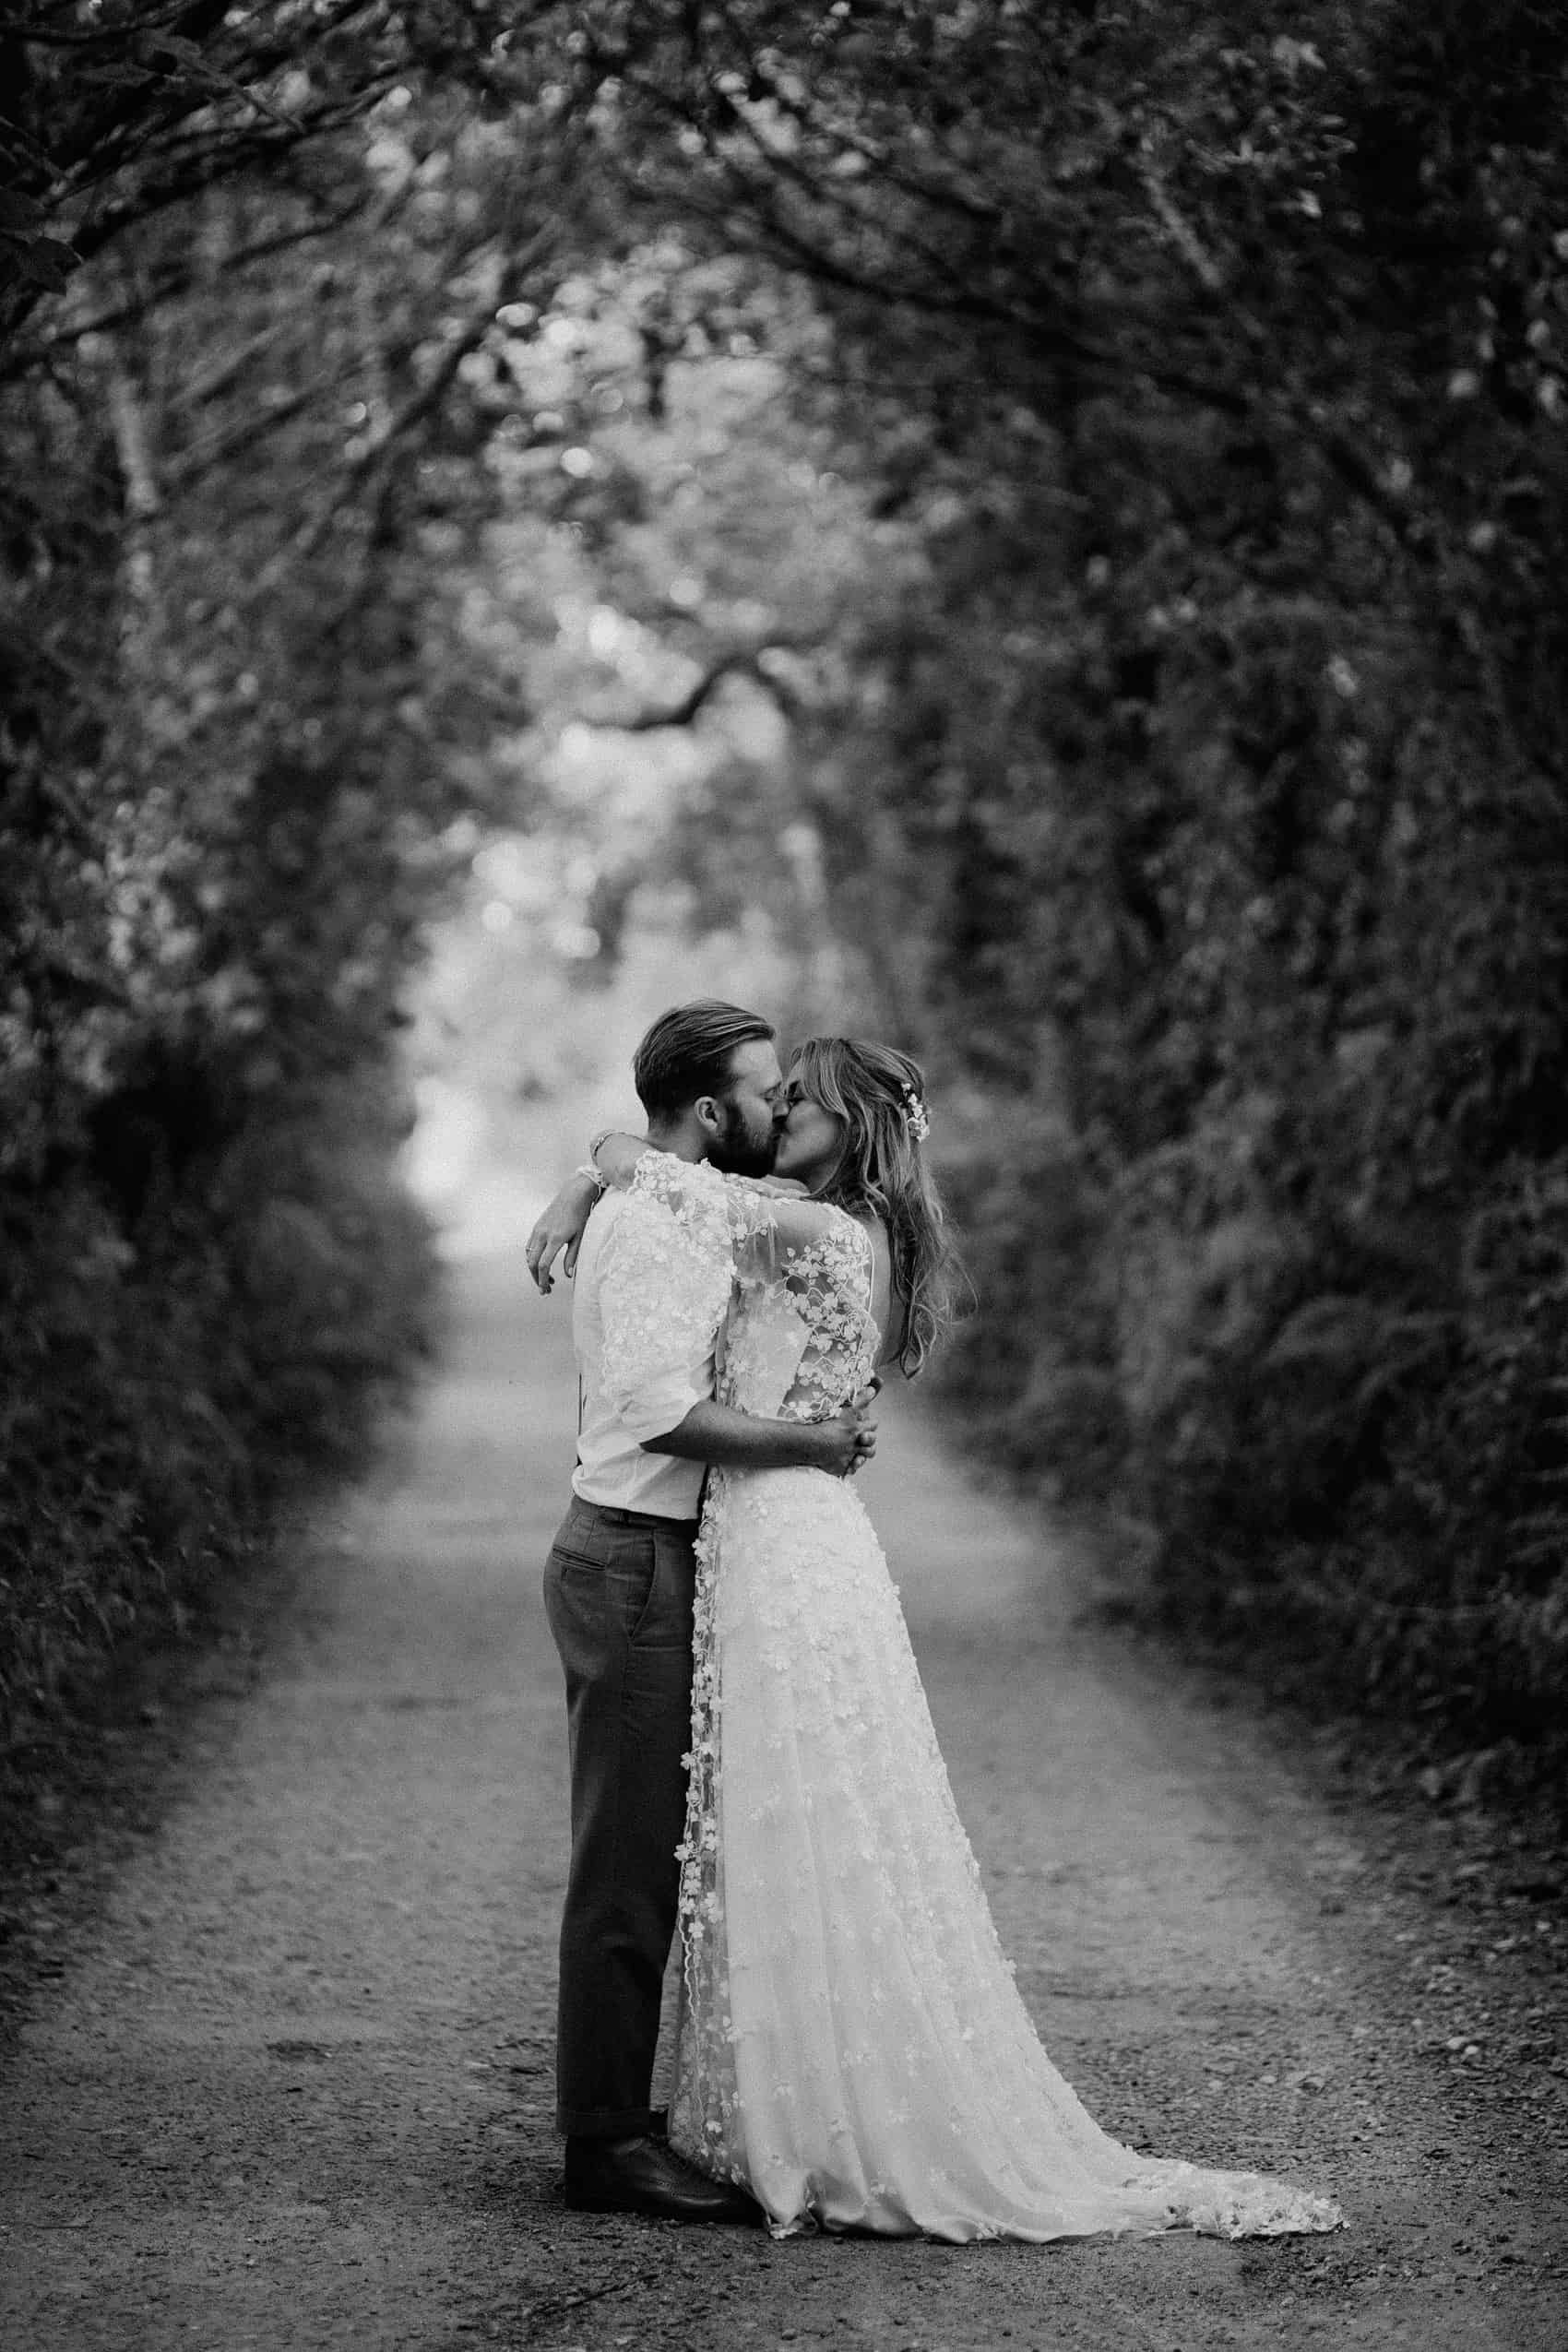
[[645, 2175]]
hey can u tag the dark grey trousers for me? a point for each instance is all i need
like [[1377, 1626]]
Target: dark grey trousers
[[618, 1592]]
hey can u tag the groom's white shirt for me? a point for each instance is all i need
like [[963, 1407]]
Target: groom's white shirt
[[645, 1336]]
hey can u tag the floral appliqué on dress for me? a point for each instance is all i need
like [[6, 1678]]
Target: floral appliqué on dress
[[853, 2048]]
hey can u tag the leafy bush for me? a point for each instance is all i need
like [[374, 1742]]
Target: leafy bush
[[1180, 751], [1217, 733], [1030, 1373], [164, 1382], [238, 715]]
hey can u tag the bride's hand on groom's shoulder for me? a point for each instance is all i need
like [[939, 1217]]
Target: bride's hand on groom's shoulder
[[560, 1228], [780, 1188]]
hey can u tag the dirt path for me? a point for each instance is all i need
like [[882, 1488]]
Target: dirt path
[[296, 2091]]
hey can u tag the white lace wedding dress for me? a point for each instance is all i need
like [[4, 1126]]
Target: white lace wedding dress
[[851, 2049]]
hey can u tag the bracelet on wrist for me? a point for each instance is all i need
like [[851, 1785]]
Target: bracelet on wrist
[[590, 1165]]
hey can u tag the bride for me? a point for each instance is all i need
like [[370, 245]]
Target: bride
[[851, 2049]]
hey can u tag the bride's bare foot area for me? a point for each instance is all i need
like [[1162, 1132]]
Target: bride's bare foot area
[[295, 2088]]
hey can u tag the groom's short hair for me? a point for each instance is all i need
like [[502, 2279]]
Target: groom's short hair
[[687, 1052]]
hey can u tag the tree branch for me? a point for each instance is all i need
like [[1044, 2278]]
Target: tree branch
[[740, 661], [1355, 467], [1184, 238], [307, 541], [189, 471], [165, 287]]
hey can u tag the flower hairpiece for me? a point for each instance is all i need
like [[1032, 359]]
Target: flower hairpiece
[[917, 1118]]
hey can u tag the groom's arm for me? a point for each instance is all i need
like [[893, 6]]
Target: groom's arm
[[718, 1434], [663, 1295]]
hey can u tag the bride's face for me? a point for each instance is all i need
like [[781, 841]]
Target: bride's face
[[812, 1140]]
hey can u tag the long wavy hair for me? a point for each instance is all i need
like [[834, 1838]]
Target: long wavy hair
[[882, 1172]]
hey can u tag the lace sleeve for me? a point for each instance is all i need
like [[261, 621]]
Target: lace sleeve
[[718, 1211], [664, 1287]]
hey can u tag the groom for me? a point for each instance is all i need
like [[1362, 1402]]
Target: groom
[[617, 1591]]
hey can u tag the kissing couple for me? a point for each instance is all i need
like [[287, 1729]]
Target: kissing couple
[[752, 1761]]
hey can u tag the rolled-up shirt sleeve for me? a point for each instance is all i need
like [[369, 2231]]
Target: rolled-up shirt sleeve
[[663, 1291]]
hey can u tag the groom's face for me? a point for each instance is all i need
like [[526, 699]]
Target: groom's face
[[752, 1112]]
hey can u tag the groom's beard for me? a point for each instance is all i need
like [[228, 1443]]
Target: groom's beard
[[742, 1149]]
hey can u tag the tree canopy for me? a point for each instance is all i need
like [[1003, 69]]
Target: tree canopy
[[1085, 483]]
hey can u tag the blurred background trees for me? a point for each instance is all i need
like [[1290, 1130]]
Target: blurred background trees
[[1034, 530]]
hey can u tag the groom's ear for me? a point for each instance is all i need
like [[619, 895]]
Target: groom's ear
[[708, 1115]]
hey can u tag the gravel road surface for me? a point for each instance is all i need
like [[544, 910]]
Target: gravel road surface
[[294, 2088]]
